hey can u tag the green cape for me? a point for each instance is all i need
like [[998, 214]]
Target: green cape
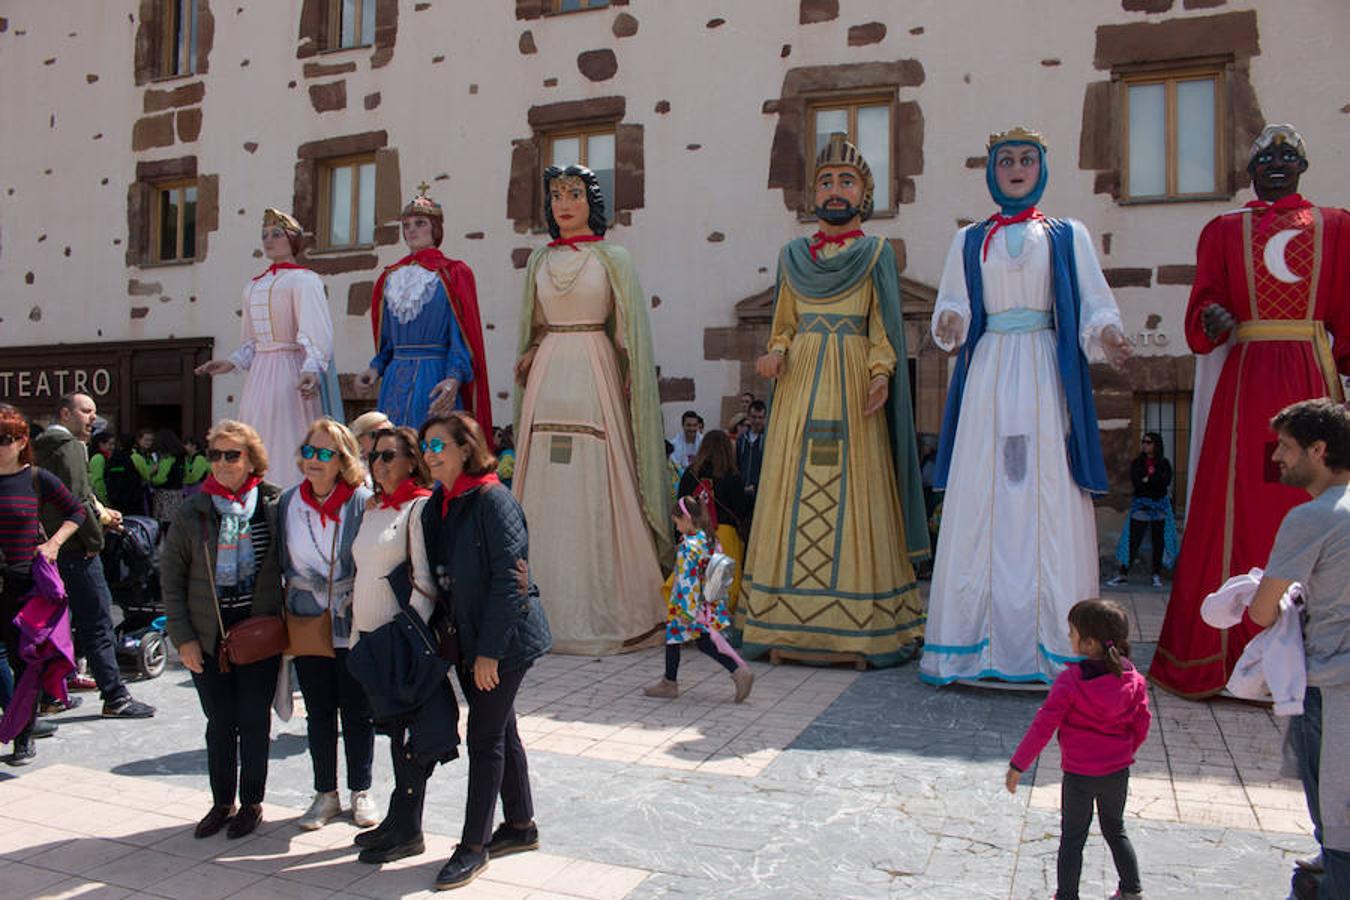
[[639, 367], [828, 277]]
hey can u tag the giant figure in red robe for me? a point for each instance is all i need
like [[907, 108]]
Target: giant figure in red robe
[[1272, 299]]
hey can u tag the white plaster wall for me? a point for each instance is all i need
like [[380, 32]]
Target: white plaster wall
[[983, 73]]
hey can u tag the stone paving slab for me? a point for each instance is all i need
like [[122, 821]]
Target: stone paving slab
[[868, 785], [67, 831]]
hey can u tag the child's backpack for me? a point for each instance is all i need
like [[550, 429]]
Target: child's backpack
[[718, 577]]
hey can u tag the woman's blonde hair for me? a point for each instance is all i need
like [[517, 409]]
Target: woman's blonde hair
[[367, 422], [233, 430], [350, 469]]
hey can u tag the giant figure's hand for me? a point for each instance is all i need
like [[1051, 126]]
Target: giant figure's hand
[[1216, 321], [309, 385], [877, 394], [1116, 346], [524, 364], [367, 379], [214, 367], [949, 329], [771, 365], [442, 398]]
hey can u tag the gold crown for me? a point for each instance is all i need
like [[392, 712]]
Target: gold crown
[[422, 205], [273, 217], [1020, 134], [838, 151]]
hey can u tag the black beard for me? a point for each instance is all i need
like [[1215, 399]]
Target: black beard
[[837, 216]]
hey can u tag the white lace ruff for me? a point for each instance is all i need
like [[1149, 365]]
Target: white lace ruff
[[407, 291]]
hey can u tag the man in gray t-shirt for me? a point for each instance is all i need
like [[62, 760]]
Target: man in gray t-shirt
[[1313, 548]]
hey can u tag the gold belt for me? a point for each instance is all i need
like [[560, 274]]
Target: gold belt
[[574, 329], [1297, 330]]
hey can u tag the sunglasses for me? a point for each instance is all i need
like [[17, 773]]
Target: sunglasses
[[1146, 441], [309, 451], [7, 439], [385, 455], [435, 445], [228, 455]]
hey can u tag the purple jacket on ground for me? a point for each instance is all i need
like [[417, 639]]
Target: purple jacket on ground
[[1101, 718], [45, 645]]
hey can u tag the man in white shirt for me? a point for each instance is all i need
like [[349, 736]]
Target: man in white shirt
[[688, 440]]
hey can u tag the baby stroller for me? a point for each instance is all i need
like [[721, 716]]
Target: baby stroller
[[131, 565]]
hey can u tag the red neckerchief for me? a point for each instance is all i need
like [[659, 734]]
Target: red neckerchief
[[1029, 214], [216, 489], [465, 483], [820, 239], [406, 491], [331, 508], [1284, 204], [573, 241], [276, 267]]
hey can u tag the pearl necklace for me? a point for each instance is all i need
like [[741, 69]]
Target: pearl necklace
[[569, 279]]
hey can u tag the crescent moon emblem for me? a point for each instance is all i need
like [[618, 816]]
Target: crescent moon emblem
[[1276, 263]]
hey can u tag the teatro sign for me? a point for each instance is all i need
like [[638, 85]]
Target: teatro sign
[[51, 383]]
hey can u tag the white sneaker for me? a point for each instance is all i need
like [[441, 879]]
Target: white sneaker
[[364, 813], [1117, 581], [1157, 582], [325, 806]]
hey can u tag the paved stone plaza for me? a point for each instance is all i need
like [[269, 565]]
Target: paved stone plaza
[[827, 783]]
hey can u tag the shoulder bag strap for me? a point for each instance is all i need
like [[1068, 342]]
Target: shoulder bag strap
[[412, 569]]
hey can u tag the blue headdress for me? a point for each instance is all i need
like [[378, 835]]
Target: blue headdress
[[1015, 137]]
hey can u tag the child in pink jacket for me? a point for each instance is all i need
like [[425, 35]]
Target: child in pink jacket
[[1099, 706]]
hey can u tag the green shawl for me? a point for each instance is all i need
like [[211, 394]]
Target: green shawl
[[639, 368], [828, 277]]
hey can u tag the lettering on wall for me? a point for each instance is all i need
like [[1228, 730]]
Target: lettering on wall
[[24, 384]]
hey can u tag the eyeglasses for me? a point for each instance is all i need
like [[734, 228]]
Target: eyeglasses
[[385, 455], [228, 455], [435, 445], [309, 451], [7, 439]]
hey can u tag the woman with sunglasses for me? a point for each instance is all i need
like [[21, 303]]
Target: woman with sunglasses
[[219, 566], [475, 541], [1150, 511], [319, 520], [22, 491], [391, 532]]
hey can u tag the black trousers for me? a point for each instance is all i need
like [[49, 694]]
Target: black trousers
[[497, 765], [11, 601], [704, 644], [1078, 793], [238, 708], [410, 788], [1155, 532], [331, 692], [91, 620]]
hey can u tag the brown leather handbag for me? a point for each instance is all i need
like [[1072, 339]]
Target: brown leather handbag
[[313, 635], [252, 640]]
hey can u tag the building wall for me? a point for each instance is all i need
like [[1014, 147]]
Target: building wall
[[451, 84]]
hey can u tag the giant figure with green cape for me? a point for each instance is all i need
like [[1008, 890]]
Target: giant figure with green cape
[[590, 465], [839, 518]]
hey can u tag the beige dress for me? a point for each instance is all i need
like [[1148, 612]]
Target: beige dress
[[591, 549]]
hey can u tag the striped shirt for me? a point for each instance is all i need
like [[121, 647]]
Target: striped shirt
[[235, 607], [19, 536]]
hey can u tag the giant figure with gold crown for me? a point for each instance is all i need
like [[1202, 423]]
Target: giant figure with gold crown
[[590, 464], [839, 518], [1024, 299], [1270, 313], [286, 349], [428, 335]]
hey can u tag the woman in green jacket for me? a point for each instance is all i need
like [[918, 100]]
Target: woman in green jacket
[[220, 565]]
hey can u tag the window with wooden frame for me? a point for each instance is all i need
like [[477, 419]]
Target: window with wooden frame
[[1169, 414], [592, 148], [867, 120], [1173, 124], [351, 23], [565, 6], [346, 203], [173, 222], [177, 38]]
